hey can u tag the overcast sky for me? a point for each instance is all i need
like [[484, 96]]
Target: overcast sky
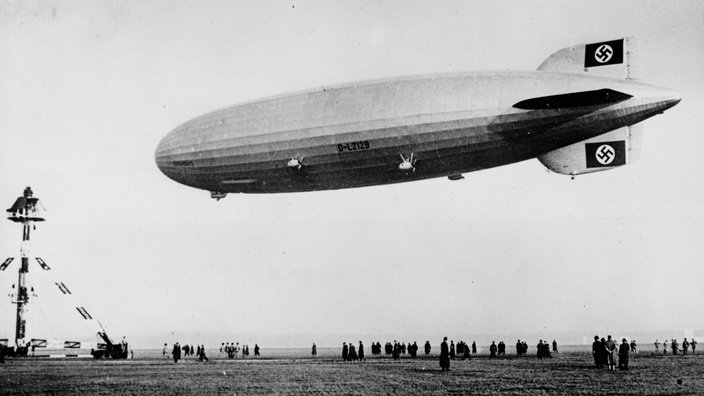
[[88, 89]]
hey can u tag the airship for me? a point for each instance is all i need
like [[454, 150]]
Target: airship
[[580, 112]]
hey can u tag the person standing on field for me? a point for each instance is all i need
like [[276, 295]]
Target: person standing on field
[[465, 352], [352, 354], [444, 355], [201, 353], [623, 351], [396, 352], [595, 352], [685, 346], [176, 352], [610, 351]]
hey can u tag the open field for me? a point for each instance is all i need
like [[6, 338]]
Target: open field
[[567, 373]]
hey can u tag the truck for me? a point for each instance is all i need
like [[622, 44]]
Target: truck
[[109, 349]]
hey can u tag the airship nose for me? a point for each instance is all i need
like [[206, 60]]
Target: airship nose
[[658, 98], [672, 98], [668, 99]]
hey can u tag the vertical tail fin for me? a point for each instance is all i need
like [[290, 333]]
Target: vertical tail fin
[[614, 58], [604, 152]]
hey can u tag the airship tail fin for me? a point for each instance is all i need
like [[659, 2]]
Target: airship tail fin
[[604, 152], [613, 58]]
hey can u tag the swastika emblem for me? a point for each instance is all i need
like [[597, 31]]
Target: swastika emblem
[[605, 154], [603, 53]]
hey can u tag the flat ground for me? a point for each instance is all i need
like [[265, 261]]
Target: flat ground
[[566, 373]]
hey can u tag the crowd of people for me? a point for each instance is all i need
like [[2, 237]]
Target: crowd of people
[[463, 350], [396, 349], [233, 350], [227, 350], [543, 349], [448, 352], [460, 350], [604, 353], [178, 351], [607, 353], [350, 354], [495, 349], [675, 346]]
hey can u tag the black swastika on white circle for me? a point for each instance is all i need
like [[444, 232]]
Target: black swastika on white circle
[[603, 53], [605, 154]]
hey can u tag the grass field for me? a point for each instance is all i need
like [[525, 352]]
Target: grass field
[[566, 373]]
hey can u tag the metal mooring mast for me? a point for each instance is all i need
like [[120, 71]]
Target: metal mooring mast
[[24, 211]]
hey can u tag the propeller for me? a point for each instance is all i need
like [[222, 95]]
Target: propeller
[[407, 164], [296, 162]]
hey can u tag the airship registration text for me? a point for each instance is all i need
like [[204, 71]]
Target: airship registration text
[[353, 146]]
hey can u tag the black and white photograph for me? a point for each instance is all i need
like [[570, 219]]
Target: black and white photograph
[[351, 197]]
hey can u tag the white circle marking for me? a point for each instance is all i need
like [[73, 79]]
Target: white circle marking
[[604, 53], [605, 154]]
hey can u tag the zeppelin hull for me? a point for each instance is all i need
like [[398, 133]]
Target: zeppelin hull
[[359, 135]]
